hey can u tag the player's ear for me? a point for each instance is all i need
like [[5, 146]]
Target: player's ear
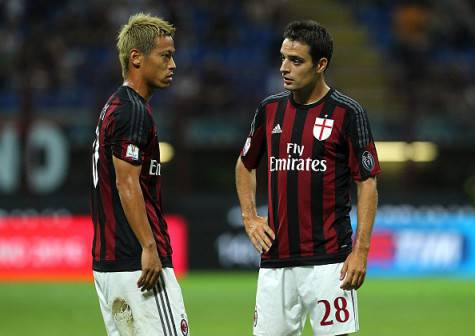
[[135, 58], [322, 65]]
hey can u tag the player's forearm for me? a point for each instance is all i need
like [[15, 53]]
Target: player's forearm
[[133, 203], [246, 189], [366, 212]]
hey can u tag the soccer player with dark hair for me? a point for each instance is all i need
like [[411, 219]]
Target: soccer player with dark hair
[[132, 257], [315, 140]]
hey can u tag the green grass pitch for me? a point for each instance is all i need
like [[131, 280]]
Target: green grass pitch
[[223, 304]]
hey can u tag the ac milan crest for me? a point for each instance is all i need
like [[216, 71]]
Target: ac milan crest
[[367, 160], [322, 128], [184, 327]]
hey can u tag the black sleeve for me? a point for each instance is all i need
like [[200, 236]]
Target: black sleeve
[[129, 132], [363, 158], [255, 145]]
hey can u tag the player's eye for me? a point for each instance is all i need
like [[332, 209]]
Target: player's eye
[[297, 61]]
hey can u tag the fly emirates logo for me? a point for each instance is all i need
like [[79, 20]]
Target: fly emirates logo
[[296, 163]]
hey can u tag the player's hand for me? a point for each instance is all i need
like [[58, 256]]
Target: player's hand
[[151, 268], [353, 271], [259, 232]]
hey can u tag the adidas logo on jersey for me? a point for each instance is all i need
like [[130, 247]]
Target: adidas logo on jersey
[[277, 129]]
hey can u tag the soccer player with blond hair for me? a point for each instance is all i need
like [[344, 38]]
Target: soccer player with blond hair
[[132, 256]]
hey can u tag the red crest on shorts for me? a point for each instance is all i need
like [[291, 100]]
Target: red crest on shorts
[[184, 327]]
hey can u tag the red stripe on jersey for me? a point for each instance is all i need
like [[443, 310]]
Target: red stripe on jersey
[[111, 223], [287, 128], [158, 198], [329, 188], [304, 186], [159, 234], [97, 246], [271, 110], [353, 161], [156, 228], [105, 195], [106, 191]]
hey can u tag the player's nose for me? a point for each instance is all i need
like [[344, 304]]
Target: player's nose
[[284, 68], [172, 65]]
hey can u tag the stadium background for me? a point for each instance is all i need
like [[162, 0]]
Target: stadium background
[[410, 63]]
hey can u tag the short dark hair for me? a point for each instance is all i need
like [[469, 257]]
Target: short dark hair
[[314, 35]]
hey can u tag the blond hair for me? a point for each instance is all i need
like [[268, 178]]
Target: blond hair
[[140, 33]]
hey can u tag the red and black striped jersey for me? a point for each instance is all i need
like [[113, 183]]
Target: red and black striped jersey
[[126, 130], [313, 152]]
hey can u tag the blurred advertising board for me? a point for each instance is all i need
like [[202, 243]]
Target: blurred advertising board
[[406, 241], [423, 241], [59, 247]]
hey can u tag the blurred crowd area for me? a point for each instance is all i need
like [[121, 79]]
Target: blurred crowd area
[[58, 62], [431, 47], [61, 55]]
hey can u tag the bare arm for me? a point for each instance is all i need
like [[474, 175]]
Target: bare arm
[[131, 198], [259, 232], [354, 268]]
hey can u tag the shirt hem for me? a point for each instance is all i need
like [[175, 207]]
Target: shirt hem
[[126, 265], [304, 261]]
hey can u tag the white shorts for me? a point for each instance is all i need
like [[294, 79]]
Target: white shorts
[[127, 311], [286, 295]]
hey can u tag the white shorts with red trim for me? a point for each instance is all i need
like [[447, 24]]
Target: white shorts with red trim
[[128, 311], [285, 296]]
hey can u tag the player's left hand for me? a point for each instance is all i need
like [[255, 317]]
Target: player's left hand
[[353, 271]]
